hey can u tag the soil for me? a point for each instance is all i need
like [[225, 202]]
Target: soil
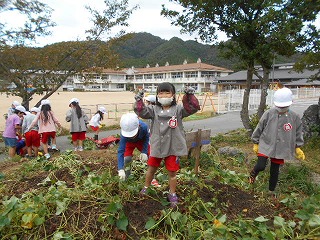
[[83, 215]]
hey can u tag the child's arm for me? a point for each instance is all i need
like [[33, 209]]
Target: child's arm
[[299, 133], [55, 120], [121, 150], [141, 109]]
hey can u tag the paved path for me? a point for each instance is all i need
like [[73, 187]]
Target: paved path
[[219, 124]]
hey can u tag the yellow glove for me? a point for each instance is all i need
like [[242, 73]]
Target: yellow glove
[[255, 148], [300, 154]]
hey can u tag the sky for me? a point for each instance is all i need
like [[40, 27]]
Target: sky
[[72, 20]]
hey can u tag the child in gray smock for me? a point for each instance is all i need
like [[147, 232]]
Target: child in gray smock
[[78, 126], [278, 136], [167, 136]]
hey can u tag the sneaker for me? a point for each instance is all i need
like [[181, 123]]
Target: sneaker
[[54, 148], [47, 155], [80, 149], [155, 183], [75, 149], [173, 199], [143, 192], [252, 179]]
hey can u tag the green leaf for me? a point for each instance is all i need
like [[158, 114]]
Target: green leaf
[[175, 215], [278, 221], [150, 223], [39, 220], [122, 223], [61, 206], [314, 221], [261, 219]]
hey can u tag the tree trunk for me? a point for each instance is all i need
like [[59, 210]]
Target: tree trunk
[[264, 91], [244, 114]]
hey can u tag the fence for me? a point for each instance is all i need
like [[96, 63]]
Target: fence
[[226, 101]]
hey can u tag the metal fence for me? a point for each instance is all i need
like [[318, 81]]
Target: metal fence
[[224, 101]]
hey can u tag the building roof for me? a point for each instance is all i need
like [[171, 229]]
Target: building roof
[[182, 67], [305, 82], [164, 69], [278, 74]]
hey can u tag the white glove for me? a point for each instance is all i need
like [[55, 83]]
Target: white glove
[[143, 157], [122, 174]]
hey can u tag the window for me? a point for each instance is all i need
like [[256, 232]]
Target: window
[[208, 74], [158, 76], [191, 74], [120, 85], [177, 75], [105, 76], [147, 76], [139, 77]]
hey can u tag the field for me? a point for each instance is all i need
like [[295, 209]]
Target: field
[[79, 196], [116, 104], [90, 101]]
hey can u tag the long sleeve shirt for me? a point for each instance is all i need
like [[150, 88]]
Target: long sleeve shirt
[[142, 136], [165, 140], [49, 126], [27, 120], [278, 135], [77, 124]]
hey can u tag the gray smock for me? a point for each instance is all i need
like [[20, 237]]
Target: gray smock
[[77, 124], [164, 140], [278, 135]]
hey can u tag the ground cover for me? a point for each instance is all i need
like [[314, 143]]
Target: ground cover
[[79, 196]]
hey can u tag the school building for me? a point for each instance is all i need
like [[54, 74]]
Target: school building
[[283, 74], [201, 76]]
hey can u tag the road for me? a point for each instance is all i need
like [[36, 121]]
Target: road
[[218, 124]]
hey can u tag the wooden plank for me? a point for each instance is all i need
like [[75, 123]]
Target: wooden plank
[[192, 136]]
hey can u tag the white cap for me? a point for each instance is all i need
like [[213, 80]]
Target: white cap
[[16, 103], [129, 124], [76, 100], [21, 109], [45, 102], [35, 109], [282, 97], [151, 98], [102, 109]]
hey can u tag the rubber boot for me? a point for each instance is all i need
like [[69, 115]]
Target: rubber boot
[[95, 137], [127, 165]]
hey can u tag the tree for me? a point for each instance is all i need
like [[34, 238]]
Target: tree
[[44, 70], [258, 30], [36, 17]]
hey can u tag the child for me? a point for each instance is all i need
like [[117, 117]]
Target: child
[[78, 126], [168, 141], [32, 137], [134, 134], [278, 136], [95, 121], [11, 110], [47, 122], [12, 129]]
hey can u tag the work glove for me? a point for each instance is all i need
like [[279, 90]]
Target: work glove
[[255, 148], [139, 95], [143, 157], [122, 174], [189, 90], [300, 154]]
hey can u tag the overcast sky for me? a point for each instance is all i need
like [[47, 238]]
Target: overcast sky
[[72, 19]]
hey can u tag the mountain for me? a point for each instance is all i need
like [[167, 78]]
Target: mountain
[[145, 48]]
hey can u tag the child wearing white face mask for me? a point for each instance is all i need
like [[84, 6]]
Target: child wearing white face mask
[[278, 136], [167, 141]]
